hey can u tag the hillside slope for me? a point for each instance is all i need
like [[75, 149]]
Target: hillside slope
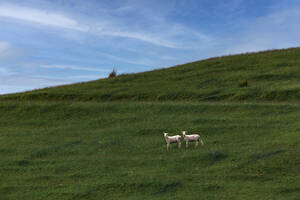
[[104, 139], [91, 151], [271, 76]]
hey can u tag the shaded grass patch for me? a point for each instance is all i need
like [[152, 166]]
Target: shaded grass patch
[[261, 156]]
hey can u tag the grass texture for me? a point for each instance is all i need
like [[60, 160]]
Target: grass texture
[[104, 139], [117, 151]]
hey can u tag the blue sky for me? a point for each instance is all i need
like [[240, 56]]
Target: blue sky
[[52, 42]]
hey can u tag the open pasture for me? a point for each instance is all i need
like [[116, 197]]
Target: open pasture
[[52, 150]]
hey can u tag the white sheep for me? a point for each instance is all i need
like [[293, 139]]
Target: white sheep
[[172, 139], [192, 138]]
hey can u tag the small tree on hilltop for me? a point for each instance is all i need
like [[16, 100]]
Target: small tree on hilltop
[[112, 74]]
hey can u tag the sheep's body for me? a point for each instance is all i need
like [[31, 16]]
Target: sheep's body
[[172, 139], [192, 138]]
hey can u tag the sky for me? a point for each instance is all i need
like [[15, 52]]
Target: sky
[[46, 43]]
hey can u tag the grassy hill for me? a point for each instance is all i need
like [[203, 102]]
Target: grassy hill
[[271, 76], [103, 139]]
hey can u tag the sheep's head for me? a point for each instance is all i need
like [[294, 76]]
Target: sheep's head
[[183, 133], [165, 134]]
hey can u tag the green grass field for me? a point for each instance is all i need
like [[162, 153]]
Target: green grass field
[[104, 139]]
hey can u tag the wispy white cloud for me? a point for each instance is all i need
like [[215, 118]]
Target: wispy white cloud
[[137, 61], [85, 77], [109, 25], [5, 50], [18, 83], [138, 36], [69, 79], [3, 47], [8, 52], [40, 16], [9, 89], [61, 21], [6, 72], [279, 29], [72, 67]]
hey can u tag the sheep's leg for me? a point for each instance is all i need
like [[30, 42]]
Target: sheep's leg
[[179, 144], [196, 144], [187, 144], [201, 142], [168, 145]]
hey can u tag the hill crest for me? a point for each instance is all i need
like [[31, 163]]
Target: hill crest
[[270, 76]]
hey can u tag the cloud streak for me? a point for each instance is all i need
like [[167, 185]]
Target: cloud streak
[[278, 29], [137, 36], [108, 26], [40, 17], [17, 83], [5, 72], [72, 67], [8, 52]]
